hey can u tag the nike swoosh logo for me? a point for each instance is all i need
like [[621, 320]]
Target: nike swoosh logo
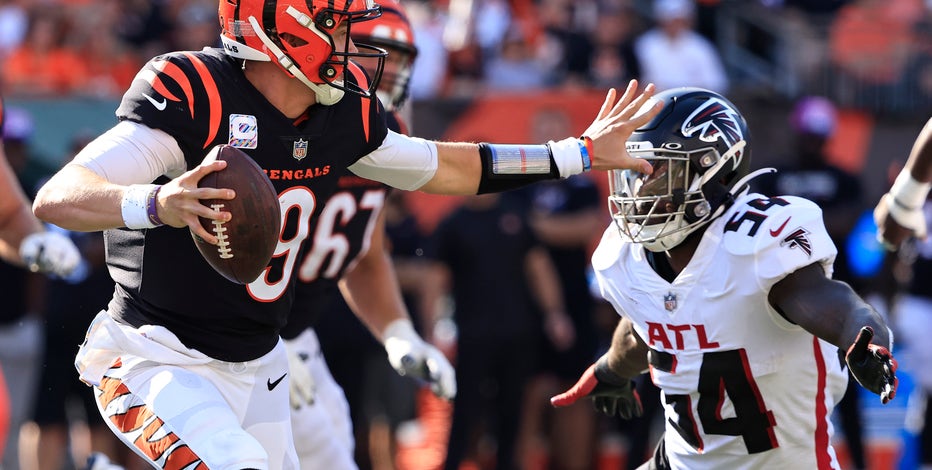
[[274, 384], [774, 233], [159, 105]]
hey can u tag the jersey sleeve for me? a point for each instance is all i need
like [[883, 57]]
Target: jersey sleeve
[[178, 94], [790, 238]]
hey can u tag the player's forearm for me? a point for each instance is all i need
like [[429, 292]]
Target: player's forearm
[[16, 219], [371, 289], [829, 309], [14, 227], [458, 170], [919, 163], [80, 200], [627, 356]]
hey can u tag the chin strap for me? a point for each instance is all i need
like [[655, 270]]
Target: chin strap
[[326, 95]]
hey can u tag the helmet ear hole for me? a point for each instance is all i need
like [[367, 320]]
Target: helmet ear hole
[[326, 20], [698, 211]]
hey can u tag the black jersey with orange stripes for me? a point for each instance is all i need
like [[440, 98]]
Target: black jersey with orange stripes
[[341, 232], [203, 99]]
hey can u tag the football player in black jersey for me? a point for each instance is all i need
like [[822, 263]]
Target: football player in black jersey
[[348, 247], [187, 366]]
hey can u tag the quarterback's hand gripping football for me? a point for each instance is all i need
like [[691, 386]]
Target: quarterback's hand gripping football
[[615, 123], [412, 357], [873, 366], [610, 393], [50, 252], [302, 390]]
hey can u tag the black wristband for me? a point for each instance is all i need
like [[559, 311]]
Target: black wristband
[[492, 182]]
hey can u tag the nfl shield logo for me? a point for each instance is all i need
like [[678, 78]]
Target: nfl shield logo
[[299, 149], [669, 302]]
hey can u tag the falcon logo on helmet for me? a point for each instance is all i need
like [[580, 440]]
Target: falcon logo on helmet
[[698, 147], [714, 120], [301, 37]]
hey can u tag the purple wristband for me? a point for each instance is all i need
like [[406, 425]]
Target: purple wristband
[[151, 207]]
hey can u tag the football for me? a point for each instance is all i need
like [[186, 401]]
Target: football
[[247, 241]]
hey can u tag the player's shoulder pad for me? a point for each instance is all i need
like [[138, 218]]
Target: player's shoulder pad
[[609, 248], [175, 89], [757, 223]]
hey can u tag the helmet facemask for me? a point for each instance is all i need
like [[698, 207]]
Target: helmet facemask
[[303, 42], [392, 31], [685, 191]]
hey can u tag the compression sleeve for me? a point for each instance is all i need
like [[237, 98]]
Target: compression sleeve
[[401, 161], [131, 153]]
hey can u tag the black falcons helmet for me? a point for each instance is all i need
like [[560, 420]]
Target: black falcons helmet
[[698, 146]]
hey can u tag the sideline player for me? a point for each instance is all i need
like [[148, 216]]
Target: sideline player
[[727, 299], [899, 212], [188, 367], [24, 242], [349, 246]]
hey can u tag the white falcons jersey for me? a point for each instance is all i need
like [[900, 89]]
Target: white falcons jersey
[[743, 388]]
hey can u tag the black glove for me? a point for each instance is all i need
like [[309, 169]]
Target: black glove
[[610, 393], [872, 366]]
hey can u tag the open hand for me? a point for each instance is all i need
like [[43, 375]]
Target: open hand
[[615, 123], [872, 366]]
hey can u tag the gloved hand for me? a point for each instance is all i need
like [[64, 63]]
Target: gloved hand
[[872, 366], [50, 252], [302, 390], [411, 356], [610, 393]]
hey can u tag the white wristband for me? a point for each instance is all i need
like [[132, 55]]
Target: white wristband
[[908, 192], [567, 156], [134, 206]]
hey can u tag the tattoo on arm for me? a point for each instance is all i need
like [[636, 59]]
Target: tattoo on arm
[[627, 356]]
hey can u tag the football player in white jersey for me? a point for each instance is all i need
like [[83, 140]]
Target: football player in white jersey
[[727, 299]]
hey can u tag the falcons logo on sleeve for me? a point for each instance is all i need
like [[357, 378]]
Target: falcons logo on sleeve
[[798, 239]]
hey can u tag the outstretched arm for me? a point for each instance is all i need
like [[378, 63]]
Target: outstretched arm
[[899, 213], [608, 381], [468, 168], [832, 311]]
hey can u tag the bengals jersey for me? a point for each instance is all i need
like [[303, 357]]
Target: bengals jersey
[[743, 388], [203, 99], [340, 234]]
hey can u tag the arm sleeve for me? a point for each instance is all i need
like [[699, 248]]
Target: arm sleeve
[[131, 153], [401, 161]]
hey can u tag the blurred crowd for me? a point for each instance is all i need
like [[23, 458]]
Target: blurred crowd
[[873, 55]]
